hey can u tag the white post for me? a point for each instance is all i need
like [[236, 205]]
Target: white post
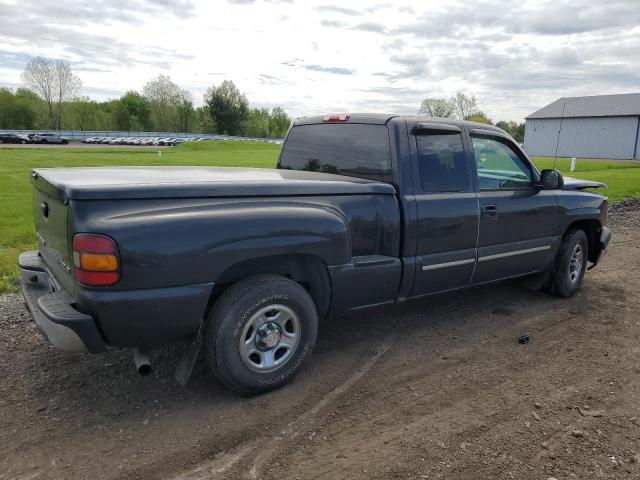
[[573, 164], [160, 154]]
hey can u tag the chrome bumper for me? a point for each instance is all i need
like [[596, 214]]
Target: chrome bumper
[[52, 309]]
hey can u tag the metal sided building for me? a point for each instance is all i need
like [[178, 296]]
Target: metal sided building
[[602, 126]]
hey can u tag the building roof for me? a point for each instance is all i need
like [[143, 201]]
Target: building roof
[[594, 106]]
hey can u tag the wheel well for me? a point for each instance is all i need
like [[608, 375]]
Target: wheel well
[[309, 271], [592, 229]]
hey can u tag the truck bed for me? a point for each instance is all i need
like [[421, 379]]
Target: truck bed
[[191, 182]]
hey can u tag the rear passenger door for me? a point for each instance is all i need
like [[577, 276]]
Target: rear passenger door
[[517, 219], [447, 209]]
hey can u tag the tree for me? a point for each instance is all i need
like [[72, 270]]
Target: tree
[[463, 105], [479, 117], [185, 111], [39, 75], [279, 123], [19, 110], [81, 114], [54, 82], [164, 96], [436, 107], [67, 87], [206, 124], [228, 107], [256, 124], [516, 130], [134, 112]]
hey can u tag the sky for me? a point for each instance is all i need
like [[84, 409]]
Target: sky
[[325, 56]]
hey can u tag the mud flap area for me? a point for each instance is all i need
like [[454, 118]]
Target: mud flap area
[[187, 363], [189, 358], [538, 280]]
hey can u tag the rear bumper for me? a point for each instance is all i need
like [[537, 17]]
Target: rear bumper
[[52, 309]]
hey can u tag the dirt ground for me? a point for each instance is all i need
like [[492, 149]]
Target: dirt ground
[[431, 389]]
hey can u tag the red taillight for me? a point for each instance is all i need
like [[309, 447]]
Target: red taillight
[[95, 259], [335, 118]]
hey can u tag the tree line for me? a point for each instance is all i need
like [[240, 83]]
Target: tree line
[[50, 99], [466, 107]]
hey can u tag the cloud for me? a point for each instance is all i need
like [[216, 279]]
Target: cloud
[[333, 70], [549, 17], [337, 9], [412, 65], [370, 27], [513, 57], [298, 62], [333, 23]]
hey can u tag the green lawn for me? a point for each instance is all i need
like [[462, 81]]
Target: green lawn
[[16, 223], [622, 178], [16, 216]]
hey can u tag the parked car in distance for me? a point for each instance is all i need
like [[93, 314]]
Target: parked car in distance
[[13, 138], [362, 210], [49, 138]]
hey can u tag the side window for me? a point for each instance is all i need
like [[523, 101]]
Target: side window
[[499, 166], [443, 167]]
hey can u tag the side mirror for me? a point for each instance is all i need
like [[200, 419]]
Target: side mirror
[[551, 180]]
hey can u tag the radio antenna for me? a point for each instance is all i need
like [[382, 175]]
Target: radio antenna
[[555, 156]]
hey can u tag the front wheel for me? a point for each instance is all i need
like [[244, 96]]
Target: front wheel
[[64, 142], [570, 265], [259, 333]]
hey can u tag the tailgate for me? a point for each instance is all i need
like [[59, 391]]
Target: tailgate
[[51, 212]]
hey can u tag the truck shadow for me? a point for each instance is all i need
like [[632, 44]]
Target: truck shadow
[[87, 389]]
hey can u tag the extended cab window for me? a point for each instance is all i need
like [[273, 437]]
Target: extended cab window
[[356, 150], [443, 167], [499, 166]]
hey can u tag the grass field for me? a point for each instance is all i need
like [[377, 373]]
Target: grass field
[[16, 216], [16, 222]]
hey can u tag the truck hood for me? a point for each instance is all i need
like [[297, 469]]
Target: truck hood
[[571, 183], [188, 182]]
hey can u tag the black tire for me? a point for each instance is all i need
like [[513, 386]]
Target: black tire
[[566, 278], [65, 142], [22, 142], [237, 309]]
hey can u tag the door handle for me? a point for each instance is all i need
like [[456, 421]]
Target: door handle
[[489, 211]]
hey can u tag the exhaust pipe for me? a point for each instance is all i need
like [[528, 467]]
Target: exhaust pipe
[[142, 361]]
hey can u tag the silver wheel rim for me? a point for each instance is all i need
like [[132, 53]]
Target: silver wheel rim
[[270, 338], [575, 264]]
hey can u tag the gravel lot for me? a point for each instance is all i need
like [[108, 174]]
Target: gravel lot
[[431, 389]]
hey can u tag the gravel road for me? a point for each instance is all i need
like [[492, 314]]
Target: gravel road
[[432, 389]]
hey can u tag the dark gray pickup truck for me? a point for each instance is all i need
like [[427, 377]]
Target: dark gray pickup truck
[[241, 263]]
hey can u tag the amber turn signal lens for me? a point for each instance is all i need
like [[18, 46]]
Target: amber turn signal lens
[[95, 258], [98, 262]]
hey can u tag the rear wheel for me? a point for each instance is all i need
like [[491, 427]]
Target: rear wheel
[[570, 265], [259, 333]]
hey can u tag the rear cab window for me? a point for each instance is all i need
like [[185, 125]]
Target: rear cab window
[[442, 162], [352, 149]]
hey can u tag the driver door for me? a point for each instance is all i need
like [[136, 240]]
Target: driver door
[[517, 219]]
